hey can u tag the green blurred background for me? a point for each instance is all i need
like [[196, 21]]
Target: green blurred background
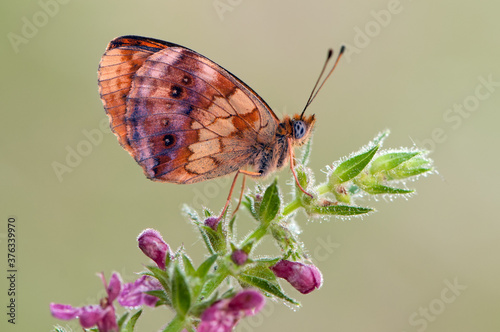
[[408, 64]]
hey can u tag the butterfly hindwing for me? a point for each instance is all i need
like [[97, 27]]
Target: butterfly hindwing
[[123, 57]]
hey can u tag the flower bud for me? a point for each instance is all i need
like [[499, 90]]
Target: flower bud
[[239, 257], [304, 278], [152, 245], [212, 222]]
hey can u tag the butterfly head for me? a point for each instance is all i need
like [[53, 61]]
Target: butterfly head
[[299, 128]]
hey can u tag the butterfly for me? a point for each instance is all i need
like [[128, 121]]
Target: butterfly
[[185, 119]]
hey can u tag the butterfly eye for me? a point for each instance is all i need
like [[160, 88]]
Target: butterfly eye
[[299, 129]]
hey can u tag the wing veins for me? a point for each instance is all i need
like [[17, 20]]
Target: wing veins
[[210, 85]]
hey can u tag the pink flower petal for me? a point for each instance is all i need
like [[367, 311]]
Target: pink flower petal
[[64, 311], [108, 322], [133, 293], [114, 287], [223, 315], [90, 315], [249, 301]]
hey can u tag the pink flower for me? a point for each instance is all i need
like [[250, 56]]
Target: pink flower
[[134, 293], [223, 315], [152, 245], [304, 278], [102, 315]]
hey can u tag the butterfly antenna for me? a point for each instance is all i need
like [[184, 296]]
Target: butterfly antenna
[[328, 57], [315, 91]]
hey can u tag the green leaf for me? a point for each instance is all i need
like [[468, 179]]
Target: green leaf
[[206, 238], [191, 213], [267, 286], [379, 140], [233, 247], [176, 324], [122, 319], [131, 322], [188, 266], [214, 280], [162, 276], [249, 203], [204, 267], [230, 226], [285, 238], [168, 260], [352, 167], [416, 162], [215, 239], [270, 203], [201, 305], [160, 294], [381, 189], [181, 295], [247, 247], [340, 210], [207, 213], [390, 160], [255, 237], [406, 173], [268, 261], [412, 167], [261, 269]]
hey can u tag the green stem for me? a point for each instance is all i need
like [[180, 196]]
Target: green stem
[[323, 189], [292, 206], [256, 235]]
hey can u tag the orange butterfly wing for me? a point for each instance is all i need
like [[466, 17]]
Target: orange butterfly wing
[[184, 118], [123, 57]]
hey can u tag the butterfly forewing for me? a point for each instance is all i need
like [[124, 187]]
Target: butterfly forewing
[[181, 116]]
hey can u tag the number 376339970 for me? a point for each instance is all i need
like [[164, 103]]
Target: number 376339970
[[11, 243]]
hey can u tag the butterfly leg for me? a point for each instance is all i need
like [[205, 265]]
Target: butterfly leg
[[241, 194], [232, 188], [292, 158]]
